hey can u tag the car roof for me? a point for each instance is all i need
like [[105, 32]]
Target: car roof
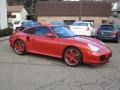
[[81, 22], [46, 25], [107, 24]]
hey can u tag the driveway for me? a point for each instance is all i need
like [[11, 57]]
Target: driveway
[[37, 72]]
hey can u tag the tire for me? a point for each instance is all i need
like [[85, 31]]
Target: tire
[[19, 47], [118, 39], [72, 57]]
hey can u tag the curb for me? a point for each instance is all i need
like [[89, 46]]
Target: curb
[[3, 40]]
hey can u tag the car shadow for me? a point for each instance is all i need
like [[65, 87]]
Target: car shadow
[[59, 62], [53, 60], [108, 41]]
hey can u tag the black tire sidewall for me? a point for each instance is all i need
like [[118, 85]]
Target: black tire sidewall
[[24, 47]]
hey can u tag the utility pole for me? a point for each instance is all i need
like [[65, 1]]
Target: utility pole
[[81, 6]]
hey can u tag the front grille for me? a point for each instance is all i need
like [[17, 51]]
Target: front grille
[[107, 34], [102, 58], [104, 34]]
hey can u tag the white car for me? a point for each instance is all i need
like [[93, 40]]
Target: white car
[[83, 28], [16, 24]]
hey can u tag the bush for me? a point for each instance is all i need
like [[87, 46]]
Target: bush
[[1, 33], [5, 32]]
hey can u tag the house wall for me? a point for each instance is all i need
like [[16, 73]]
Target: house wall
[[114, 19], [47, 19], [20, 16], [97, 20], [3, 14], [23, 14]]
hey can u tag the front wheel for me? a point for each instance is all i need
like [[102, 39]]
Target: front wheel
[[19, 47], [72, 56]]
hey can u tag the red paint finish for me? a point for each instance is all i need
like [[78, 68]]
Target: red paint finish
[[53, 45]]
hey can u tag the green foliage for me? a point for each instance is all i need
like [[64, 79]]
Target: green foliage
[[5, 32]]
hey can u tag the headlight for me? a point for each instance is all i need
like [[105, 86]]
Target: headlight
[[93, 48]]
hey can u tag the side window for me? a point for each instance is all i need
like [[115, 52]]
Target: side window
[[69, 22], [30, 30], [42, 30]]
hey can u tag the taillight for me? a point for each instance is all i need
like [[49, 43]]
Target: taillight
[[114, 33]]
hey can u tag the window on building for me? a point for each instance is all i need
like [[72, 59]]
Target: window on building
[[69, 22], [13, 16], [104, 21]]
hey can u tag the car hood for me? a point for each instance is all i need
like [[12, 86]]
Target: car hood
[[93, 39], [87, 40]]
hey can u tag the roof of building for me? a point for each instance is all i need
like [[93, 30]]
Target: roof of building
[[73, 8], [14, 8]]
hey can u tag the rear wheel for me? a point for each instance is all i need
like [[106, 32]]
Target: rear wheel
[[72, 57], [19, 47]]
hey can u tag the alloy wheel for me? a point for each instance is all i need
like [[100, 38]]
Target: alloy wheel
[[19, 47], [72, 57]]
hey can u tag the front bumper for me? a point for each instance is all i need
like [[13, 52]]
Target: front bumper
[[106, 37], [97, 57]]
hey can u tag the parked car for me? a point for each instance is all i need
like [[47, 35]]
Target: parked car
[[59, 23], [16, 25], [29, 23], [109, 32], [60, 42], [25, 24], [83, 28]]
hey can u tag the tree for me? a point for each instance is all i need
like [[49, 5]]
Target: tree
[[30, 5]]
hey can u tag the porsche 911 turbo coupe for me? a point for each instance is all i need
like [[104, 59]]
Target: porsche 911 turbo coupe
[[59, 41]]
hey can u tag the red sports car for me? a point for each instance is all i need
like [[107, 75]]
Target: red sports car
[[58, 41]]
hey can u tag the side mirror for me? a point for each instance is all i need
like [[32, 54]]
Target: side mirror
[[20, 28], [50, 35]]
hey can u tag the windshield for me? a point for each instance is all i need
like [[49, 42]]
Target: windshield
[[107, 27], [63, 32], [80, 24]]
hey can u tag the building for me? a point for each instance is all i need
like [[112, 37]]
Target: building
[[96, 12], [3, 14], [16, 13], [115, 18], [116, 9], [93, 0]]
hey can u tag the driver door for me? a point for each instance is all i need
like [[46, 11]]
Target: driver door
[[43, 44]]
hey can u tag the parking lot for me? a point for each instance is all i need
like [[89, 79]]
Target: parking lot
[[37, 72]]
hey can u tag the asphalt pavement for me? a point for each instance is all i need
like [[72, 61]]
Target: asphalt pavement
[[37, 72]]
